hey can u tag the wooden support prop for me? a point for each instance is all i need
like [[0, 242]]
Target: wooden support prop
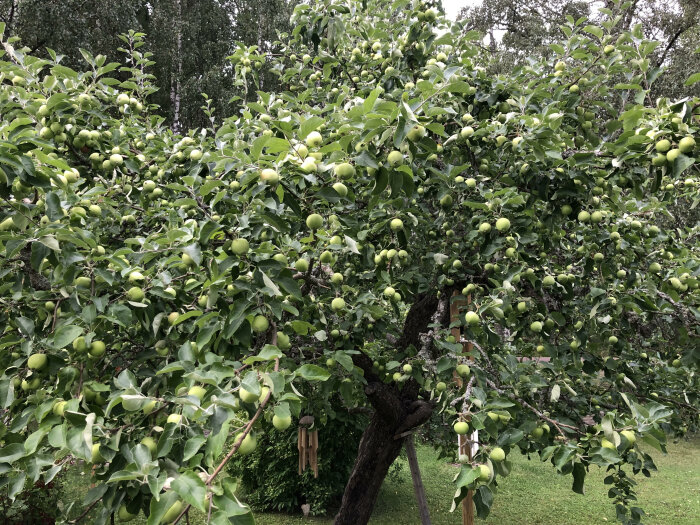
[[463, 443], [417, 481]]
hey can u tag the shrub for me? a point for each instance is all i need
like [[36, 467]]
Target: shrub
[[270, 477]]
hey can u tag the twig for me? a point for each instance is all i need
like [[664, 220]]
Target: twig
[[240, 439]]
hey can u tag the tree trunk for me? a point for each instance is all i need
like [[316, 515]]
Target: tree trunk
[[395, 411], [378, 450]]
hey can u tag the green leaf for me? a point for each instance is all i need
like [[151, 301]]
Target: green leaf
[[192, 489], [309, 125], [312, 373], [483, 499], [160, 505], [692, 79], [65, 335], [194, 251], [12, 452]]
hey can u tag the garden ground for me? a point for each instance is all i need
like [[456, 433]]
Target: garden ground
[[530, 495]]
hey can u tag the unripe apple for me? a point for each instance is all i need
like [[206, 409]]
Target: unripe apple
[[314, 221], [240, 246], [463, 370], [96, 457], [260, 324], [686, 144], [247, 445], [396, 224], [172, 513], [124, 515], [135, 294], [197, 391], [37, 362], [174, 418], [497, 454], [502, 224], [314, 139], [461, 427], [395, 158], [338, 304], [269, 176], [484, 473], [281, 423], [471, 318]]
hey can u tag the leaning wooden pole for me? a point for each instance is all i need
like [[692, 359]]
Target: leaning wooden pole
[[417, 481], [463, 442]]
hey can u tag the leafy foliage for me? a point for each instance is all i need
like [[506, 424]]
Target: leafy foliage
[[163, 293], [269, 476]]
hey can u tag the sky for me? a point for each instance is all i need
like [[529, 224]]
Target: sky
[[452, 7]]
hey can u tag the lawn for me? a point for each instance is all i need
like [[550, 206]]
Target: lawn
[[530, 495]]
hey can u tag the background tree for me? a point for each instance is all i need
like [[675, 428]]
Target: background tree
[[164, 293], [190, 42], [518, 30]]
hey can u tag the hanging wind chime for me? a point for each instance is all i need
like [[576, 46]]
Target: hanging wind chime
[[307, 444]]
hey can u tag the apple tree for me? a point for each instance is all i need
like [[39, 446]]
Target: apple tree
[[167, 298]]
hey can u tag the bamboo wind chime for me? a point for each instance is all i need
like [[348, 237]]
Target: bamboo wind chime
[[307, 444]]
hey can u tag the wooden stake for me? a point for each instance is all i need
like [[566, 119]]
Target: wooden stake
[[464, 447], [417, 481]]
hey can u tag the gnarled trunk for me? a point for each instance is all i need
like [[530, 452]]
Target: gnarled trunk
[[395, 411]]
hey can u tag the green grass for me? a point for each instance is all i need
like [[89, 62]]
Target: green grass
[[530, 495]]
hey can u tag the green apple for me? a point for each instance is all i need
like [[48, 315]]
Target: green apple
[[247, 396], [96, 457], [629, 436], [174, 418], [197, 391], [536, 326], [686, 144], [281, 423], [314, 221], [269, 176], [484, 473], [344, 170], [605, 443], [172, 513], [338, 304], [59, 408], [502, 224], [195, 154], [150, 444], [471, 318], [663, 146], [149, 407], [260, 324], [124, 515], [240, 246], [461, 427], [396, 224], [247, 445], [463, 370], [302, 265], [537, 433], [37, 362], [135, 294], [407, 369], [395, 158], [497, 454], [341, 189], [484, 227], [97, 349], [314, 139], [283, 341]]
